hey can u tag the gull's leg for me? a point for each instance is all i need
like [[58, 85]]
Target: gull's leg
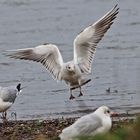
[[81, 94], [4, 114], [71, 96], [4, 117], [14, 115]]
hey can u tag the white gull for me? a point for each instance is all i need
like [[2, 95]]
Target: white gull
[[97, 122], [74, 73]]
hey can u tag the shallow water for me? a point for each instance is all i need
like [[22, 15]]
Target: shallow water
[[116, 64]]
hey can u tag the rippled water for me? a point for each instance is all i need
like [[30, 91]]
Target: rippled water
[[28, 23]]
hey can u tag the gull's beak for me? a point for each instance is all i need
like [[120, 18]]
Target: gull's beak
[[23, 87], [114, 114], [21, 90]]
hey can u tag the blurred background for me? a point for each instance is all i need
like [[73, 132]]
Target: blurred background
[[28, 23]]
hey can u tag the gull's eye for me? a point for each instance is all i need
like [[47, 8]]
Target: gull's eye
[[108, 111], [68, 67]]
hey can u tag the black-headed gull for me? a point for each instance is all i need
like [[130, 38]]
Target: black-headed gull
[[89, 125], [7, 98], [74, 72]]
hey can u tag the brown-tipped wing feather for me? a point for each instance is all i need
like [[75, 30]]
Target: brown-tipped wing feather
[[85, 43]]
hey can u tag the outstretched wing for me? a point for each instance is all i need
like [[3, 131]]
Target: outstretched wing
[[47, 54], [85, 43]]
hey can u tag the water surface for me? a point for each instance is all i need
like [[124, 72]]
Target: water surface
[[28, 23]]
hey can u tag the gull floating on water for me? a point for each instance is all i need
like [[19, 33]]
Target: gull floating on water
[[89, 125], [74, 72], [7, 98]]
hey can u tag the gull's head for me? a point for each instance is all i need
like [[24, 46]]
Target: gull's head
[[70, 67], [18, 87], [104, 110]]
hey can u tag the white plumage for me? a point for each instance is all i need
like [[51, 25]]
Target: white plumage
[[74, 72], [91, 124]]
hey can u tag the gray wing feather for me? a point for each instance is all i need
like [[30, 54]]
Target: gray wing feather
[[88, 125], [49, 55], [85, 43]]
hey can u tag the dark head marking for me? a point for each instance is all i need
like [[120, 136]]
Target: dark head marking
[[19, 87], [45, 43]]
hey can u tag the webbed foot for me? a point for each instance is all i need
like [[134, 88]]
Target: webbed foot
[[71, 97], [81, 94]]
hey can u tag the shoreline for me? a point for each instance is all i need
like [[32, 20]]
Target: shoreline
[[41, 129]]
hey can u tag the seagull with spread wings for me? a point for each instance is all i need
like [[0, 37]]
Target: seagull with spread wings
[[74, 72]]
